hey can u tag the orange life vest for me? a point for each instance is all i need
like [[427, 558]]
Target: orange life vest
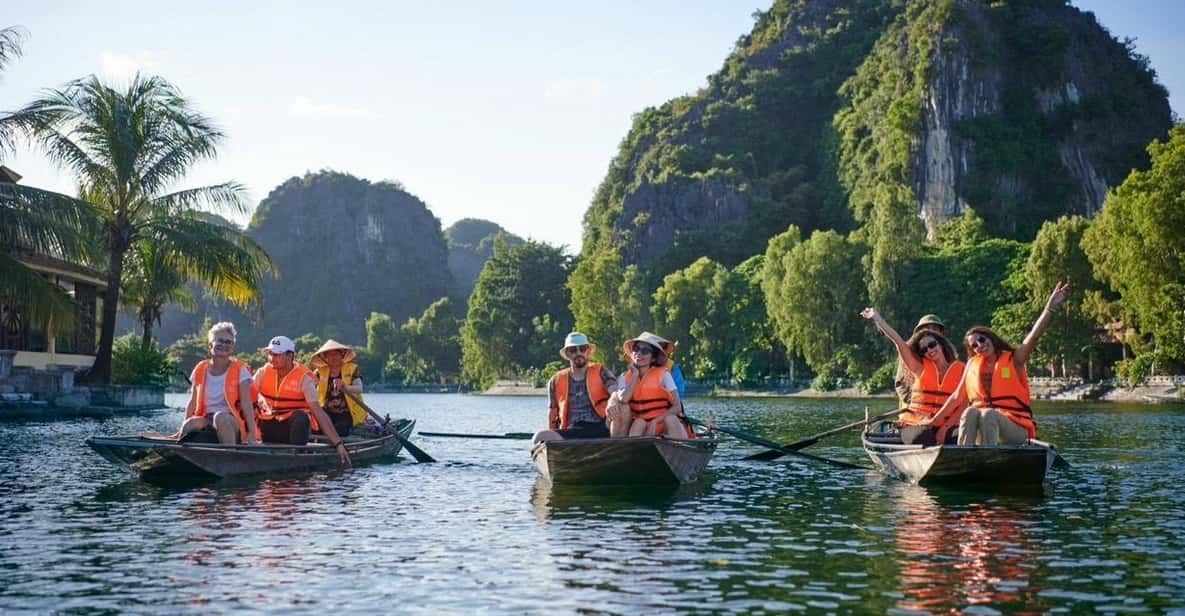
[[596, 392], [231, 390], [927, 394], [1009, 391], [284, 397], [649, 399]]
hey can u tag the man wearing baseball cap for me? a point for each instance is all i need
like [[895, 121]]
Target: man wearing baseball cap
[[288, 406], [903, 380], [578, 395]]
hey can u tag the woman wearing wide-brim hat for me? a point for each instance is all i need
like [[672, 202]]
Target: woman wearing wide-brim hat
[[337, 373], [649, 389]]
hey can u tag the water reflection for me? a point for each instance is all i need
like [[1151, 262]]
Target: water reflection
[[552, 502], [957, 548]]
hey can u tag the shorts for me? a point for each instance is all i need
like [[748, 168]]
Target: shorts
[[585, 430]]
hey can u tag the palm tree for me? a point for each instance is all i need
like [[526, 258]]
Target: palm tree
[[36, 221], [128, 150], [221, 258]]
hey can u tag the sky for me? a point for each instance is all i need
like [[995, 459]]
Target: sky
[[505, 111]]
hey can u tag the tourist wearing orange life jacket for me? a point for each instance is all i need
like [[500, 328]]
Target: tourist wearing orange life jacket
[[903, 378], [220, 396], [649, 390], [288, 406], [934, 373], [578, 395], [996, 384]]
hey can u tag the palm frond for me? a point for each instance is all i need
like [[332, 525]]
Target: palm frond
[[10, 44], [226, 196], [225, 260], [42, 301], [10, 49], [46, 222]]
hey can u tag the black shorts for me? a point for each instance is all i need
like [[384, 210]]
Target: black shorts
[[585, 430], [342, 422]]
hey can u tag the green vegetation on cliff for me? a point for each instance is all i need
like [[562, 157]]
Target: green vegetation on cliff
[[345, 247]]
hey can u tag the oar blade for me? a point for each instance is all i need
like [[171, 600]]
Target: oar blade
[[420, 455], [773, 454]]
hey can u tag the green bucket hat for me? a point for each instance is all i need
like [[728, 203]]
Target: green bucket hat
[[930, 319]]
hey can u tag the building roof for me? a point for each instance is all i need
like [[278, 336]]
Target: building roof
[[9, 176]]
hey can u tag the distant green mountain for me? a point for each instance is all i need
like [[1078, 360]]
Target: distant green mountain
[[470, 245], [887, 116]]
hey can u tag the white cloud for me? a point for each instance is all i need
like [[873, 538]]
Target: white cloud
[[304, 107], [577, 90], [122, 66]]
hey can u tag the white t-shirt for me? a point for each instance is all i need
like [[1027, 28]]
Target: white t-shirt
[[667, 381], [216, 390]]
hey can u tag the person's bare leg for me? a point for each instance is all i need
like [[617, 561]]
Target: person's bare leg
[[969, 426], [227, 428], [191, 425], [989, 427], [546, 435], [638, 427]]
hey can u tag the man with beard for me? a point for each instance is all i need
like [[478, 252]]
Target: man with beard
[[578, 394]]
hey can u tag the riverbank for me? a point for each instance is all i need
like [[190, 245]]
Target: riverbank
[[1151, 394]]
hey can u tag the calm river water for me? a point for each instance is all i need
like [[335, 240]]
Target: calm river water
[[478, 533]]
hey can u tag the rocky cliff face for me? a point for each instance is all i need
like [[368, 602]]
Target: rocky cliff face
[[346, 247], [829, 110], [1040, 83]]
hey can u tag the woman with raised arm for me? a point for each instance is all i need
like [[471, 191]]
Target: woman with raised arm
[[996, 385], [936, 372]]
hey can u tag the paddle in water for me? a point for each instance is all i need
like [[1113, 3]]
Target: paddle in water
[[419, 454], [781, 450], [515, 436], [757, 440]]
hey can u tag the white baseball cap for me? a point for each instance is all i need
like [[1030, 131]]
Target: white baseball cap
[[280, 345]]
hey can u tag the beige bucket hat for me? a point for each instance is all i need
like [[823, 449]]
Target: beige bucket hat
[[575, 339], [317, 361], [653, 340]]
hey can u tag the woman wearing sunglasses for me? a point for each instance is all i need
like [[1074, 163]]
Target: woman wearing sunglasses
[[996, 385], [649, 389], [936, 372]]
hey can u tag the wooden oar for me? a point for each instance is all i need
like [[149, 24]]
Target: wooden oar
[[781, 450], [757, 440], [517, 436], [419, 454]]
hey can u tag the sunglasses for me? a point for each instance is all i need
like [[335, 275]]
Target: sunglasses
[[979, 341], [926, 347], [643, 349], [224, 341], [580, 349]]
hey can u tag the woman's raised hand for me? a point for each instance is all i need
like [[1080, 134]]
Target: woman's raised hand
[[1057, 296], [869, 313]]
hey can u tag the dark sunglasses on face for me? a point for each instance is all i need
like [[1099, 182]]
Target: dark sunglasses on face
[[223, 341], [926, 347], [581, 349], [643, 349], [979, 341]]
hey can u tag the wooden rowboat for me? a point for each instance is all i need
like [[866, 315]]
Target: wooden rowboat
[[638, 460], [160, 460], [1003, 465]]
